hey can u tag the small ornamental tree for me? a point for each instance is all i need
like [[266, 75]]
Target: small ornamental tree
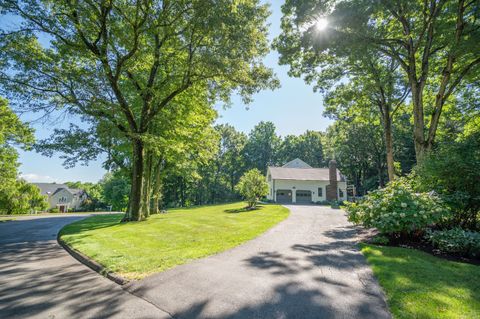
[[252, 187]]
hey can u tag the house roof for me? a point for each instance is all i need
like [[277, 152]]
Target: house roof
[[52, 188], [303, 174], [49, 188], [297, 163], [299, 170]]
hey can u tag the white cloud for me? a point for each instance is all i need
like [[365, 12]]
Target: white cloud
[[37, 178]]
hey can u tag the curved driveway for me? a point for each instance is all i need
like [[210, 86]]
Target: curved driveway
[[38, 279], [306, 267]]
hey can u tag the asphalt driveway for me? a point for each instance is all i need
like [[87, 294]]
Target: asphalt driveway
[[38, 279], [306, 267]]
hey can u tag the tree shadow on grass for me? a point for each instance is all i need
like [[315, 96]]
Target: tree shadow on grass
[[242, 210]]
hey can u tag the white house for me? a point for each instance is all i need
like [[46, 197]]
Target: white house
[[298, 182], [62, 197]]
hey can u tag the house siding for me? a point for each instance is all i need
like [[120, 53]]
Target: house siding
[[313, 186]]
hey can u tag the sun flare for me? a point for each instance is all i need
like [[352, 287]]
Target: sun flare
[[321, 24]]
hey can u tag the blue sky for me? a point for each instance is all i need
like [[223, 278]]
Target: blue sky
[[294, 108]]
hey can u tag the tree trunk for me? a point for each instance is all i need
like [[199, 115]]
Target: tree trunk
[[157, 187], [389, 146], [418, 123], [136, 207], [147, 182]]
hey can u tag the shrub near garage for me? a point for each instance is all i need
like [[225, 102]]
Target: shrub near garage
[[397, 210]]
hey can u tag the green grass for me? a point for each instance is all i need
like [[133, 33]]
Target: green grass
[[419, 285], [138, 249]]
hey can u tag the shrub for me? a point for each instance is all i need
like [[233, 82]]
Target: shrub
[[456, 241], [452, 171], [379, 240], [335, 204], [54, 210], [252, 186], [397, 210]]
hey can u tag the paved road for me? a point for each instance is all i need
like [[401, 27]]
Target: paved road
[[38, 279], [305, 267]]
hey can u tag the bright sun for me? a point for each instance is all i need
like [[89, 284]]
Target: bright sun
[[321, 24]]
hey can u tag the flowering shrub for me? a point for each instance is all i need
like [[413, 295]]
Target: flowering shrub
[[457, 241], [397, 209]]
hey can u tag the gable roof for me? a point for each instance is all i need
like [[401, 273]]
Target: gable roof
[[303, 174], [49, 188], [52, 188], [301, 171], [297, 163]]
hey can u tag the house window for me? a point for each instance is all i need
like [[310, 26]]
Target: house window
[[269, 178], [320, 192], [340, 193]]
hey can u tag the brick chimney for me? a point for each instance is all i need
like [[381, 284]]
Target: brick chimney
[[331, 190]]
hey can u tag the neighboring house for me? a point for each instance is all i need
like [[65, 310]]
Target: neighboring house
[[298, 182], [62, 197]]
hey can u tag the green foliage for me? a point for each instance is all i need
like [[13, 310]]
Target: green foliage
[[452, 171], [403, 36], [23, 198], [115, 191], [379, 240], [94, 192], [126, 67], [16, 196], [12, 133], [307, 146], [252, 186], [456, 241], [262, 145], [398, 210]]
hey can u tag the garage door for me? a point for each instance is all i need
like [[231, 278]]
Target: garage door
[[284, 196], [304, 197]]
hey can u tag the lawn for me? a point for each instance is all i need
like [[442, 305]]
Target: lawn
[[137, 249], [419, 285]]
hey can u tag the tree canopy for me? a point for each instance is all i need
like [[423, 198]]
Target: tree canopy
[[118, 66]]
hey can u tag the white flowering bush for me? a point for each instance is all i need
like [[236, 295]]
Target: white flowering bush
[[398, 210]]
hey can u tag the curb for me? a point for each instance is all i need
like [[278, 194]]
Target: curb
[[90, 263]]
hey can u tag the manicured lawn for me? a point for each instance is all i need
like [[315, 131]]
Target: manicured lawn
[[419, 285], [136, 250]]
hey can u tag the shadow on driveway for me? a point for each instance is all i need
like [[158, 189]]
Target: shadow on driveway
[[38, 279]]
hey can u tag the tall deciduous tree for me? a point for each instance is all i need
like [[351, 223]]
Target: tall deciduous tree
[[434, 42], [16, 196], [307, 147], [125, 62], [262, 145]]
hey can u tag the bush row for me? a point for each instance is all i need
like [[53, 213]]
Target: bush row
[[398, 211]]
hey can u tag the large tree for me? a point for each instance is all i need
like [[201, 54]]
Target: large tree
[[262, 146], [434, 42], [125, 62], [307, 147], [16, 195]]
